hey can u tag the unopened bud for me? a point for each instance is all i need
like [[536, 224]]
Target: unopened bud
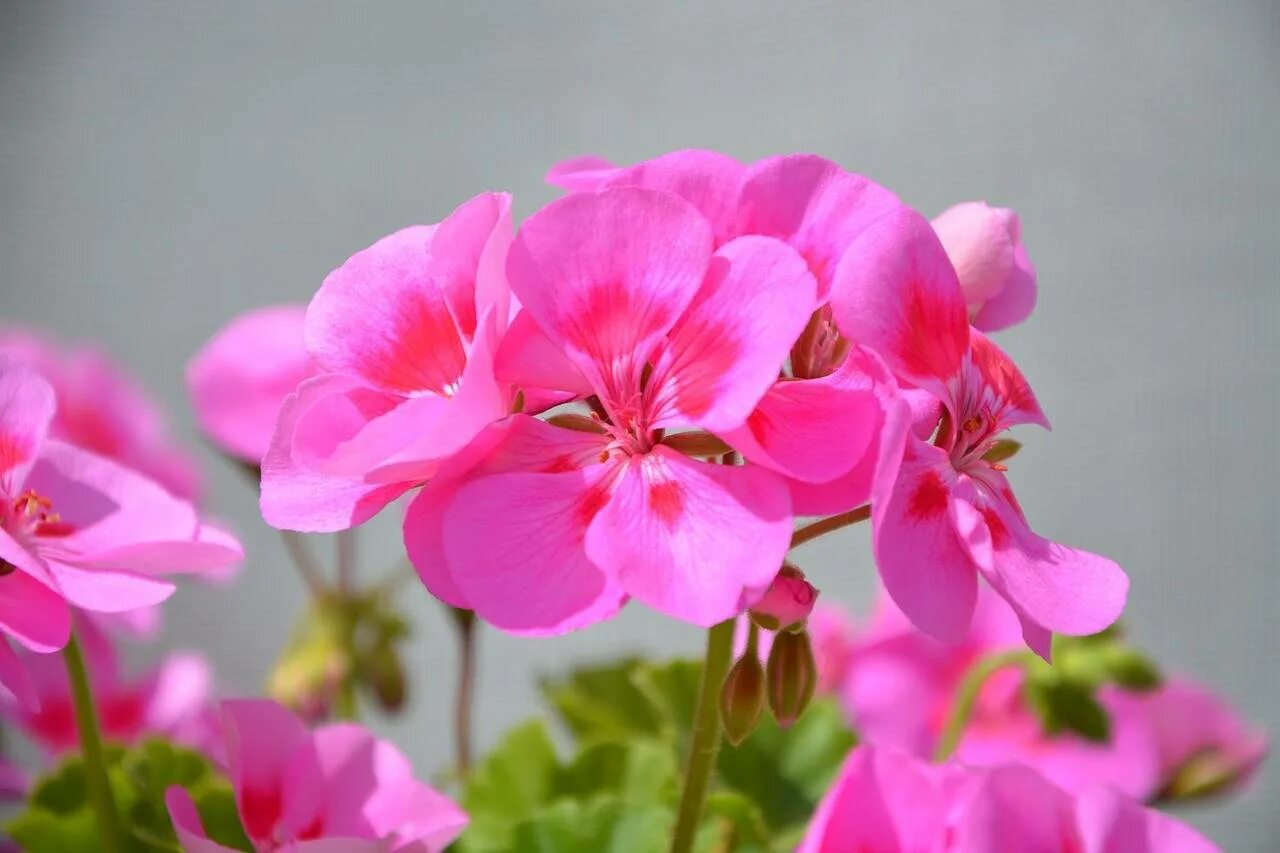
[[791, 676], [384, 674], [742, 698], [313, 666], [787, 603], [1209, 772]]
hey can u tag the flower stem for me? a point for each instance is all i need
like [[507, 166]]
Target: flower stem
[[465, 620], [302, 557], [345, 557], [705, 742], [110, 835], [825, 525], [967, 697]]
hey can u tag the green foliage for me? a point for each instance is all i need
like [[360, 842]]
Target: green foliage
[[58, 817], [618, 790]]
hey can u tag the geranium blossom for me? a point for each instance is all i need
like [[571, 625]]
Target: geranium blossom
[[403, 336], [887, 801], [79, 529], [666, 334], [103, 409], [950, 514], [996, 274], [240, 378], [335, 789], [171, 699]]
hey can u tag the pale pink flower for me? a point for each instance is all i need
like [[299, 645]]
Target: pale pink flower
[[950, 514], [547, 528], [886, 801], [77, 528], [240, 378], [169, 700], [403, 337], [337, 789], [985, 246], [103, 409], [788, 601]]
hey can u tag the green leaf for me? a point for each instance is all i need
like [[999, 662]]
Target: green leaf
[[603, 824], [603, 703], [510, 786], [1131, 669], [736, 824], [1065, 706]]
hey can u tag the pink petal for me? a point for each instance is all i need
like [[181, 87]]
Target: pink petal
[[1013, 304], [294, 498], [814, 205], [186, 822], [729, 347], [240, 378], [384, 315], [26, 409], [32, 611], [813, 429], [182, 688], [519, 443], [895, 291], [882, 801], [469, 257], [527, 358], [263, 741], [14, 679], [530, 573], [1111, 822], [108, 591], [1059, 588], [924, 564], [1188, 720], [979, 240], [692, 540], [1015, 403], [708, 180], [607, 275], [1013, 808]]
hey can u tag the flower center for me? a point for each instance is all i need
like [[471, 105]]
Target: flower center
[[32, 514]]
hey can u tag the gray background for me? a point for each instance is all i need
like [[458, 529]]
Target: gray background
[[164, 167]]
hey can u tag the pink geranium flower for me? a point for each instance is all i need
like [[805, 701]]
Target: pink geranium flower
[[77, 528], [403, 337], [985, 246], [950, 515], [171, 699], [241, 377], [337, 789], [887, 801], [104, 410], [625, 300]]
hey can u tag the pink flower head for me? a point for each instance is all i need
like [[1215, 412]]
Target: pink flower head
[[788, 601], [625, 300], [997, 277], [241, 377], [403, 336], [833, 420], [170, 700], [886, 801], [337, 788], [102, 409], [77, 528], [950, 515]]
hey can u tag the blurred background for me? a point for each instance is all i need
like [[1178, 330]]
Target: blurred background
[[164, 167]]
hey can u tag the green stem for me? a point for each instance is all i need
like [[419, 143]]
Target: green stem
[[345, 703], [346, 560], [465, 620], [967, 696], [110, 835], [826, 525], [305, 561], [705, 742]]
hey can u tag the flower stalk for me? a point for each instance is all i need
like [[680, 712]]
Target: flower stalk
[[465, 621], [705, 743], [967, 697], [95, 766], [823, 526]]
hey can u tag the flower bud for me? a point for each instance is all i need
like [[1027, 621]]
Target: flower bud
[[787, 603], [313, 666], [742, 698], [790, 676], [985, 246], [383, 673]]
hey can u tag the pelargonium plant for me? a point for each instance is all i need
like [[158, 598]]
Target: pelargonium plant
[[650, 393]]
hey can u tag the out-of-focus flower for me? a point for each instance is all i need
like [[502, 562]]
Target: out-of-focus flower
[[985, 246], [336, 789], [172, 699], [625, 301], [77, 528], [102, 409], [403, 337], [240, 378], [13, 781], [887, 801], [951, 514]]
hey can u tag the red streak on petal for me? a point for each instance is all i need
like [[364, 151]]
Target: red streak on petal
[[1002, 375], [932, 343], [930, 497], [591, 503], [260, 810], [13, 451], [666, 499], [426, 353], [999, 533]]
